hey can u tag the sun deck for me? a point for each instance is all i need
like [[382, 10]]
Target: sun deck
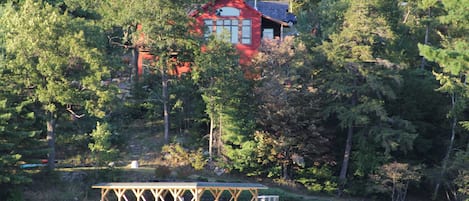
[[158, 191]]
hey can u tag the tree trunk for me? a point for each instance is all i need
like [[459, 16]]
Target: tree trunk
[[51, 140], [210, 140], [448, 152], [427, 30], [285, 174], [219, 141], [347, 152], [345, 162], [134, 66], [165, 105]]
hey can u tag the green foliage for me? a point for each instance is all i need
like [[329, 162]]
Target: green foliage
[[101, 147], [453, 60], [347, 72], [198, 161], [11, 137], [187, 112], [223, 87], [55, 61], [395, 178], [178, 156], [20, 143], [321, 19], [58, 52], [457, 180], [419, 103], [318, 178], [358, 82]]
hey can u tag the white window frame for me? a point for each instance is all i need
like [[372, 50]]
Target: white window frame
[[234, 27], [268, 33], [246, 30]]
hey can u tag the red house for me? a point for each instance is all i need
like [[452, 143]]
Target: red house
[[246, 24], [244, 21]]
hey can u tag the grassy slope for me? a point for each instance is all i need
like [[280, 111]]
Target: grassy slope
[[143, 143]]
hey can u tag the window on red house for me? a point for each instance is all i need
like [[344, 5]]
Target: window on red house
[[208, 28], [230, 27], [246, 37]]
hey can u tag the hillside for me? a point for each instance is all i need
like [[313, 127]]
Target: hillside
[[143, 143]]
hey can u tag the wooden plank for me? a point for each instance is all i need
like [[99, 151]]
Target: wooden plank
[[158, 194], [197, 194], [104, 193], [254, 194], [216, 193], [177, 194], [177, 189], [139, 194], [235, 194], [184, 185], [120, 193]]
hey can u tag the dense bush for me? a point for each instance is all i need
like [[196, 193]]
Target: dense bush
[[318, 178], [177, 156]]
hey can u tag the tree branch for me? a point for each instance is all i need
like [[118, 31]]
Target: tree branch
[[69, 109]]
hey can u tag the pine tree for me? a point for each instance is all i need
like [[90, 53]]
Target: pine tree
[[20, 143], [453, 58], [224, 88], [55, 60], [163, 33], [359, 81], [19, 137]]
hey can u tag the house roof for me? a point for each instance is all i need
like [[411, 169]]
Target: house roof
[[276, 21], [273, 9], [223, 2]]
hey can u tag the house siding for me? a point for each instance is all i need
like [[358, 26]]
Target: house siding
[[246, 51]]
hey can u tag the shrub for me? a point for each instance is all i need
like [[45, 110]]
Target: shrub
[[102, 148], [318, 178], [395, 178], [198, 161], [177, 156]]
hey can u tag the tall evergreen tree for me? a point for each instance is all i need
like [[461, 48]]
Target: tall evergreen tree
[[453, 58], [165, 24], [20, 140], [54, 60], [163, 34], [226, 94], [19, 136], [20, 143], [359, 81]]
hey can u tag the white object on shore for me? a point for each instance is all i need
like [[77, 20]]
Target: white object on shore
[[134, 164]]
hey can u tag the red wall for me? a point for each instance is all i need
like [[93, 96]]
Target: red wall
[[247, 12], [246, 51]]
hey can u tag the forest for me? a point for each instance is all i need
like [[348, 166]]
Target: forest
[[366, 98]]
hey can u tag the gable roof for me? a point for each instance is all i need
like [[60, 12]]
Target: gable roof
[[273, 9], [230, 3]]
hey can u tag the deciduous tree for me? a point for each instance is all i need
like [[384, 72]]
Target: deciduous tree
[[288, 114]]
